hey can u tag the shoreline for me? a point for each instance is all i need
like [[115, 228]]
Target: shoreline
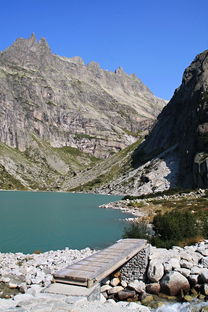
[[141, 208], [27, 275]]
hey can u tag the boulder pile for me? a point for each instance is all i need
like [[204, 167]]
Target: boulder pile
[[178, 272]]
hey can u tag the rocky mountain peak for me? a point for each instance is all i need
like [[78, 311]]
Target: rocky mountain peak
[[27, 52], [51, 104]]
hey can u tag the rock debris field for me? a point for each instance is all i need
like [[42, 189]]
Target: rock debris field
[[24, 277]]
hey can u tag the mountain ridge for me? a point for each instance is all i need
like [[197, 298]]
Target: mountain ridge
[[54, 108], [175, 154]]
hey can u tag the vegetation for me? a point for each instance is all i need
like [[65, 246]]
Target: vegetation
[[137, 230], [181, 221], [169, 192], [108, 169]]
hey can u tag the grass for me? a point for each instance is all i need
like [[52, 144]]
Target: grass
[[109, 169], [85, 136]]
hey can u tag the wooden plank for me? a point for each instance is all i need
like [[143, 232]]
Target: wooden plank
[[99, 265]]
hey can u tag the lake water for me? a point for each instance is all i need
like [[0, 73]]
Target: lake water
[[49, 221]]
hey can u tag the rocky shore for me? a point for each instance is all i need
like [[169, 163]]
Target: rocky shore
[[178, 274], [141, 208]]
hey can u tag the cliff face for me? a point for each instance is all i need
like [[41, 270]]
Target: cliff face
[[176, 151], [59, 116], [183, 125], [67, 103]]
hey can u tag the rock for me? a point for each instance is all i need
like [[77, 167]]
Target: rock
[[137, 307], [193, 279], [5, 279], [105, 295], [185, 256], [12, 285], [196, 270], [110, 301], [155, 270], [124, 284], [105, 288], [102, 298], [205, 286], [115, 281], [203, 251], [138, 286], [172, 264], [204, 276], [204, 262], [114, 290], [172, 283], [126, 294], [186, 264], [184, 272], [153, 288]]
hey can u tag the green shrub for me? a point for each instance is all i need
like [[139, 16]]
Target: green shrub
[[174, 228], [137, 230]]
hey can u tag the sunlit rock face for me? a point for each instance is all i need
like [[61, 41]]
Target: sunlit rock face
[[66, 103]]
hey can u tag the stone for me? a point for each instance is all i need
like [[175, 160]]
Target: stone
[[126, 294], [204, 262], [186, 264], [104, 294], [185, 256], [185, 272], [203, 251], [153, 288], [172, 283], [172, 264], [105, 288], [115, 281], [12, 285], [205, 286], [193, 279], [102, 298], [155, 270], [204, 276], [196, 270], [124, 284], [114, 290], [136, 307], [138, 286], [110, 301]]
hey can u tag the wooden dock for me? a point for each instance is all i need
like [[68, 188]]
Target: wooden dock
[[99, 265]]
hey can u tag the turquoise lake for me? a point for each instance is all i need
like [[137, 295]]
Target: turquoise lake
[[49, 221]]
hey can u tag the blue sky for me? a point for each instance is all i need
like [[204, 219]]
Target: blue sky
[[155, 39]]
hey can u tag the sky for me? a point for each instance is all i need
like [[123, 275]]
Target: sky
[[154, 39]]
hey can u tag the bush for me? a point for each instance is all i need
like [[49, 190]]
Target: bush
[[174, 227], [137, 230]]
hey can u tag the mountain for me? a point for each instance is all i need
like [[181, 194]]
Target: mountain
[[175, 154], [60, 117]]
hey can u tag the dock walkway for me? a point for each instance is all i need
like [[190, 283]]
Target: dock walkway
[[96, 267]]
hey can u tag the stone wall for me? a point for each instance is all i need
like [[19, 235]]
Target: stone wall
[[135, 269]]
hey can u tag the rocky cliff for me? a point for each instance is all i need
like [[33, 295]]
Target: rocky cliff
[[176, 152], [59, 116]]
